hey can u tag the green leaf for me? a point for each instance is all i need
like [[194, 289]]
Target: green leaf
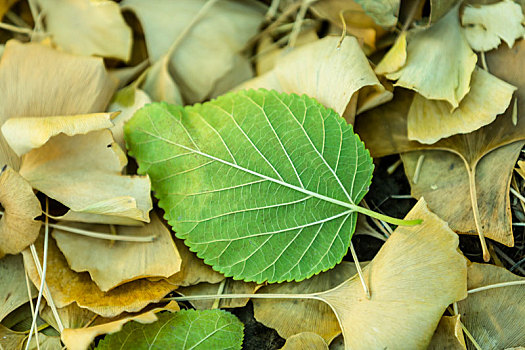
[[186, 329], [262, 185]]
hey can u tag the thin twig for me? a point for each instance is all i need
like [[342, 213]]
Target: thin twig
[[497, 285], [419, 164], [484, 61], [359, 271], [296, 29], [15, 29], [32, 307], [217, 301], [475, 210], [391, 169], [517, 266], [343, 32]]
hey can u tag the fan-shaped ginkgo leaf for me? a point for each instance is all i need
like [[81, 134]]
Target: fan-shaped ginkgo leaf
[[262, 185]]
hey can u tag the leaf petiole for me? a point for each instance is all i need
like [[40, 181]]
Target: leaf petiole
[[389, 219]]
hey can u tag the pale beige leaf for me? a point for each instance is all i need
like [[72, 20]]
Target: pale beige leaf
[[448, 335], [71, 316], [315, 316], [228, 286], [207, 52], [193, 270], [430, 120], [10, 340], [45, 342], [18, 229], [88, 27], [395, 58], [305, 341], [160, 85], [67, 286], [384, 12], [127, 107], [494, 317], [25, 134], [429, 69], [36, 80], [111, 264], [83, 172], [486, 25], [13, 289], [81, 338], [417, 273]]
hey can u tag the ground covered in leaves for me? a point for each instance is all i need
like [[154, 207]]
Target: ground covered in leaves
[[256, 174]]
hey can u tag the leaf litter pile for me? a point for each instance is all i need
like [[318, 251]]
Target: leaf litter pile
[[198, 174]]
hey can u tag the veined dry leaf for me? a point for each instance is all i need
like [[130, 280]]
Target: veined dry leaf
[[228, 286], [18, 229], [81, 338], [208, 51], [25, 134], [112, 264], [88, 27], [439, 8], [305, 341], [384, 130], [71, 316], [10, 339], [160, 85], [13, 289], [486, 25], [431, 120], [448, 335], [193, 270], [83, 172], [395, 58], [36, 80], [290, 317], [67, 286], [127, 101], [429, 70], [399, 316], [494, 317], [384, 12], [358, 23], [324, 71], [5, 5]]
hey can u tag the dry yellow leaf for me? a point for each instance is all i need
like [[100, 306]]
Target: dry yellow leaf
[[290, 317], [160, 85], [71, 316], [494, 317], [36, 80], [395, 58], [88, 27], [83, 172], [25, 134], [417, 273], [430, 120], [429, 69], [18, 229], [13, 290], [305, 341], [486, 25], [448, 335], [67, 286], [10, 339], [111, 265]]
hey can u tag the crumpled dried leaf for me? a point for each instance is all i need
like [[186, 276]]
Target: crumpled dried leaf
[[18, 229], [358, 23], [486, 25], [228, 286], [439, 8], [305, 341], [431, 120], [25, 134], [429, 69], [208, 52], [71, 316], [10, 339], [399, 316], [494, 317], [395, 58], [323, 71], [283, 315], [83, 172], [13, 290], [88, 27], [127, 102], [160, 85], [448, 335], [193, 270], [384, 12], [36, 80], [112, 264], [67, 286]]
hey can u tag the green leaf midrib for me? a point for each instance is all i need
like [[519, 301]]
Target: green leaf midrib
[[348, 205]]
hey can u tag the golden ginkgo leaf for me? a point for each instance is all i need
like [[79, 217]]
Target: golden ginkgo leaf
[[448, 335], [486, 25], [305, 341], [67, 286], [112, 265], [398, 315], [18, 229]]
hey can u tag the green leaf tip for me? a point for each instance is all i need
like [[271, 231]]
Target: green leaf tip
[[185, 329], [262, 185]]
